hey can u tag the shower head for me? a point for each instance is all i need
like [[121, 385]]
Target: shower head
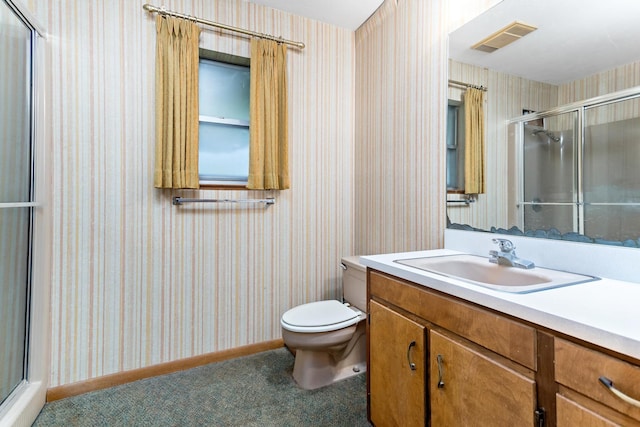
[[548, 134]]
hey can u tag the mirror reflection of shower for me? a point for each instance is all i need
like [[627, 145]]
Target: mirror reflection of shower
[[577, 171], [550, 135], [549, 174]]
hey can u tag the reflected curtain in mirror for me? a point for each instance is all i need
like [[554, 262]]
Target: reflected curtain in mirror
[[176, 162], [268, 144], [474, 141]]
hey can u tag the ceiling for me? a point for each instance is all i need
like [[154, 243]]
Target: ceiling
[[574, 39], [349, 14]]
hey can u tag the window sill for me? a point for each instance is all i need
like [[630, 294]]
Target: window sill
[[223, 187]]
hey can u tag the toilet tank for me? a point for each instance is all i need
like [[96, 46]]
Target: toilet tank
[[354, 282]]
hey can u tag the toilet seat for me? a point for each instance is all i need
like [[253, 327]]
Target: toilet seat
[[320, 316]]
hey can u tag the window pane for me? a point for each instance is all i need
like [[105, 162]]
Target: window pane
[[224, 152], [452, 164], [455, 146], [224, 90]]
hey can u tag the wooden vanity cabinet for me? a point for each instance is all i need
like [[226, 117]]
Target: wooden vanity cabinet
[[476, 367], [480, 365]]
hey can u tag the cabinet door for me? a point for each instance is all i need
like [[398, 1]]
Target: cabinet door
[[396, 369], [470, 388]]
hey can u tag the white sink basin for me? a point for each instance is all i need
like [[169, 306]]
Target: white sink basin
[[479, 271]]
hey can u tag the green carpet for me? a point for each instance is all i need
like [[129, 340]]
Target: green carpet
[[256, 390]]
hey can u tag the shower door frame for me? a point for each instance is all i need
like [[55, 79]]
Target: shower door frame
[[580, 108], [27, 399]]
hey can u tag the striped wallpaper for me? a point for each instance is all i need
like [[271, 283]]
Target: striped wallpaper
[[614, 80], [401, 94], [137, 281], [603, 83]]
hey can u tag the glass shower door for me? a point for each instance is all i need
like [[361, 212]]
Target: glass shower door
[[16, 202], [549, 174], [611, 172]]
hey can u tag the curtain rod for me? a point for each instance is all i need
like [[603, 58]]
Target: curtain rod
[[467, 85], [162, 11]]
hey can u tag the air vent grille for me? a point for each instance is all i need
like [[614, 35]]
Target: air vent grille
[[503, 37]]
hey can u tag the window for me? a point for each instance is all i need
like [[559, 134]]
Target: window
[[455, 147], [224, 119]]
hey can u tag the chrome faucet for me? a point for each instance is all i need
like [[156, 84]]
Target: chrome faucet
[[507, 255]]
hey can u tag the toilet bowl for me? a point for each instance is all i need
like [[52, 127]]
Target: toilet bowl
[[328, 337]]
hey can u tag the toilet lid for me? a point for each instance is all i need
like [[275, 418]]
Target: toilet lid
[[320, 316]]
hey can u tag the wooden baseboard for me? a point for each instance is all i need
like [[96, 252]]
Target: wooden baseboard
[[106, 381]]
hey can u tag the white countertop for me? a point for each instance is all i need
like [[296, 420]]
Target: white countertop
[[605, 312]]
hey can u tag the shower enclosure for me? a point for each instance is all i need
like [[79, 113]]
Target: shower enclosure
[[578, 171], [16, 195]]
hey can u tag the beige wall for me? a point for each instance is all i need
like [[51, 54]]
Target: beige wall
[[606, 82], [619, 78], [137, 281], [401, 89]]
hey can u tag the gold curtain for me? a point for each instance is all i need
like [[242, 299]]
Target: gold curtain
[[177, 57], [474, 164], [269, 141]]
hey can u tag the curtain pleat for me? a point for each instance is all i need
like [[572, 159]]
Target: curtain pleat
[[177, 58], [474, 163], [269, 141]]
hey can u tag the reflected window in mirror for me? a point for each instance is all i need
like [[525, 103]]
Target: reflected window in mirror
[[455, 147]]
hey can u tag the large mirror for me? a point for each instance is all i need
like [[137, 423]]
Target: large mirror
[[577, 52]]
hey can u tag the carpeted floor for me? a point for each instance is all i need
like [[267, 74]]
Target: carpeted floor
[[256, 390]]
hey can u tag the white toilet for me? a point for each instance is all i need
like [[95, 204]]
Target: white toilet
[[328, 337]]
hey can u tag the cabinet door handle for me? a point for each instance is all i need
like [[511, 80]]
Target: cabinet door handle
[[411, 364], [609, 384], [440, 371]]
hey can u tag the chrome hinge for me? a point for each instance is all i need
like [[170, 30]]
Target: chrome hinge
[[540, 417]]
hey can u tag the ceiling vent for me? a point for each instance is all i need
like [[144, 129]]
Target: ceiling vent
[[503, 37]]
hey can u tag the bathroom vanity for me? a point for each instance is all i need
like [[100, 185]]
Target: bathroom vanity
[[443, 352]]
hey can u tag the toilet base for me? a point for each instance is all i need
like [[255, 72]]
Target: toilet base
[[315, 369]]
